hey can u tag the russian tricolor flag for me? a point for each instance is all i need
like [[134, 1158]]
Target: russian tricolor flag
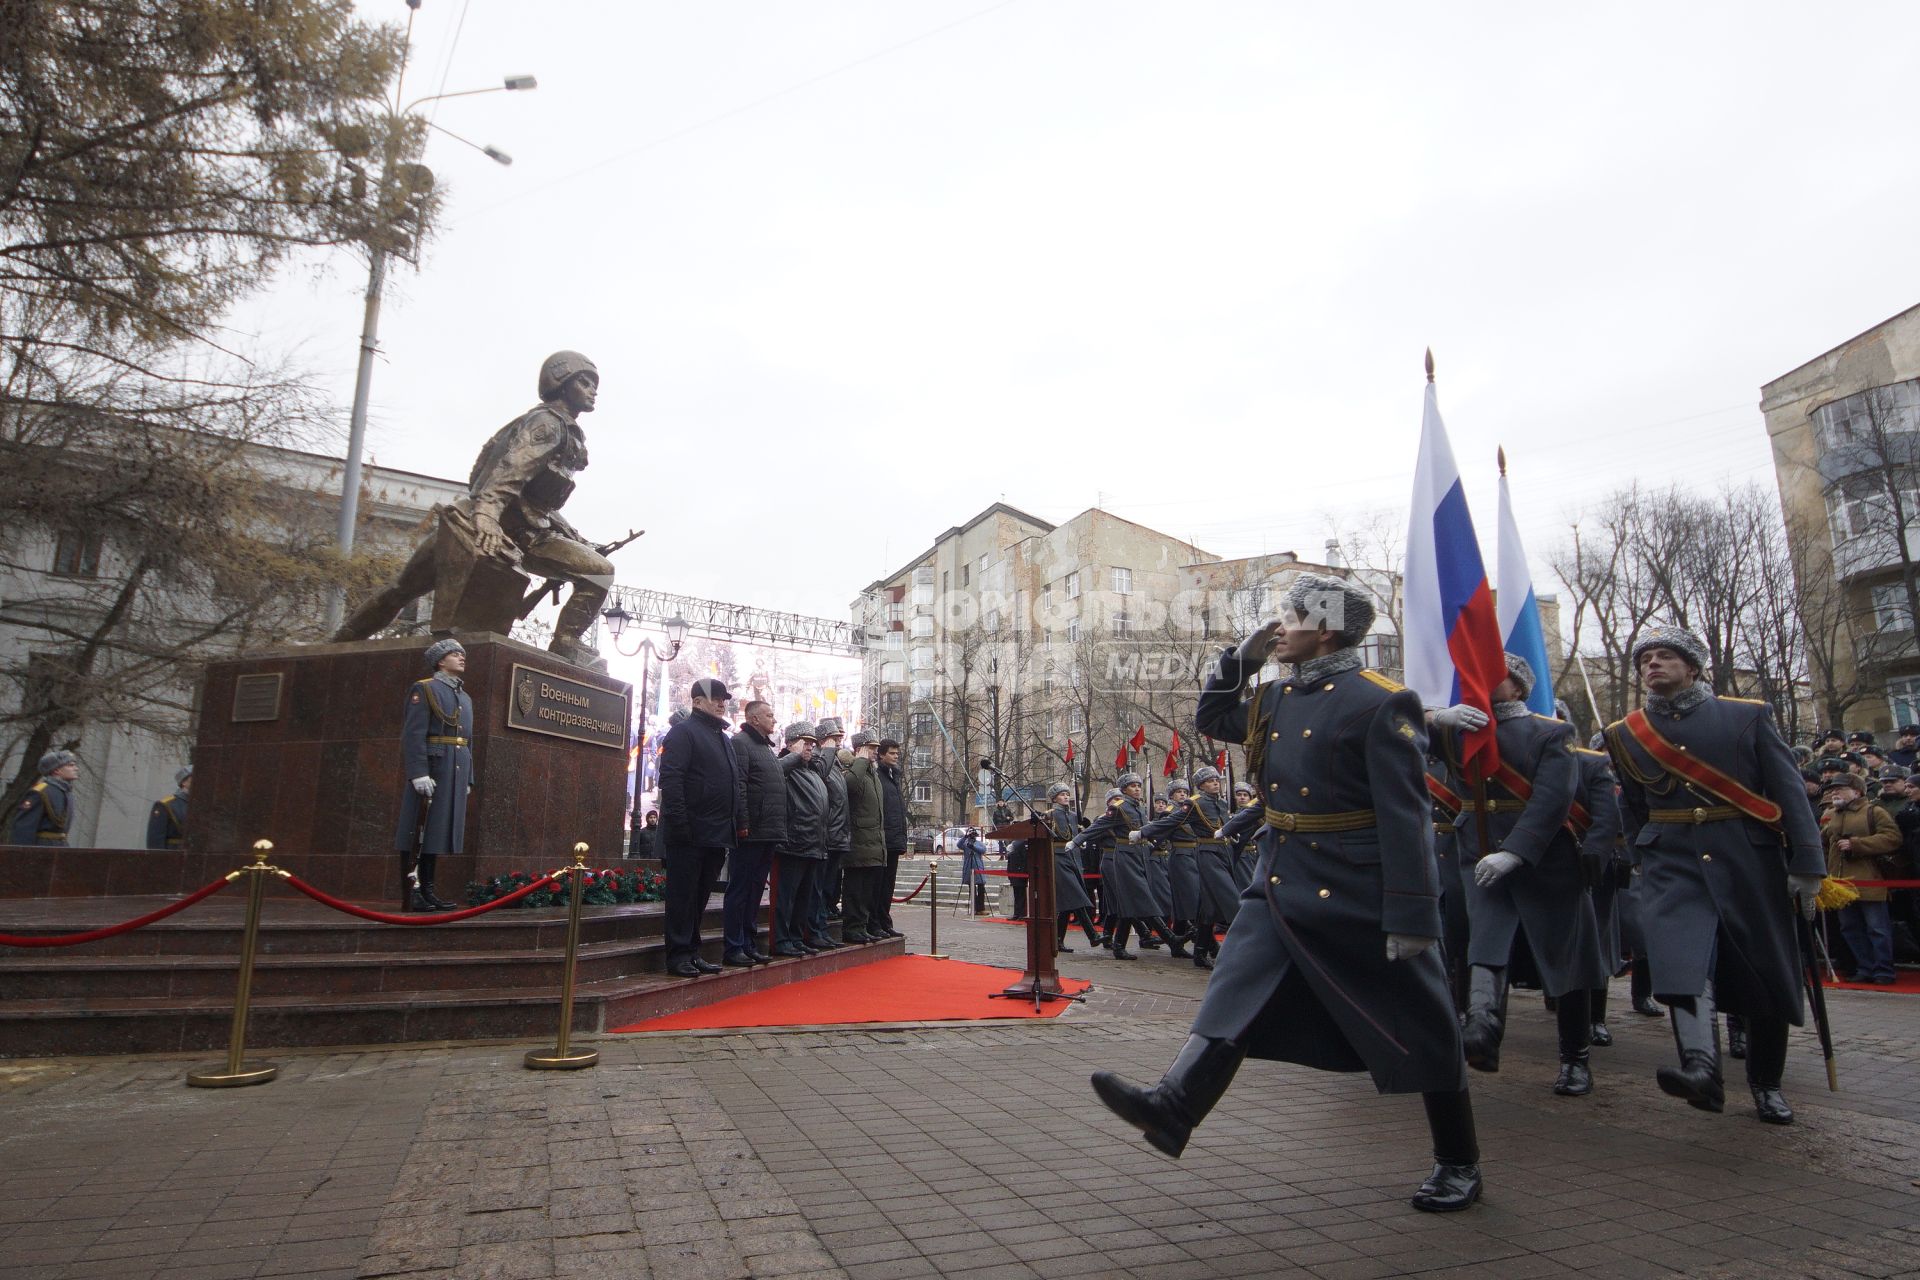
[[1518, 609], [1451, 636]]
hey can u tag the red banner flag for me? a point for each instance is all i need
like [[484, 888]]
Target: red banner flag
[[1139, 739], [1069, 750], [1173, 757], [1220, 761], [1120, 758]]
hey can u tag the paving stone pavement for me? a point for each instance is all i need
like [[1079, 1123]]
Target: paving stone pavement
[[946, 1150]]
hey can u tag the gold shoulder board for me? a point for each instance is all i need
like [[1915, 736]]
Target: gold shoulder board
[[1752, 702], [1391, 686], [1587, 751]]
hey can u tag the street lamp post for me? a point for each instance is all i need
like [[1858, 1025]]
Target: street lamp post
[[618, 620], [376, 284]]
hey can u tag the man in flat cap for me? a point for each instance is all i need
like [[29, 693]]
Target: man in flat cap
[[1728, 847], [864, 869], [436, 752], [167, 820], [1331, 960], [46, 815], [839, 831], [703, 813], [1528, 909]]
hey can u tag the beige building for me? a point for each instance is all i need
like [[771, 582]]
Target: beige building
[[1845, 430], [1010, 637]]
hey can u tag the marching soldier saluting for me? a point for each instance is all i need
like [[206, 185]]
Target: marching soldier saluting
[[1124, 876], [1239, 832], [167, 821], [44, 817], [1330, 960], [1193, 829], [436, 750], [1526, 892], [1718, 816]]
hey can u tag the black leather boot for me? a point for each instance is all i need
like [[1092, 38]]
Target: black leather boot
[[1736, 1036], [1060, 938], [1086, 925], [1175, 948], [1597, 1010], [1641, 985], [1696, 1033], [1486, 1017], [1454, 1183], [1766, 1059], [1168, 1111], [432, 900], [1118, 942], [1205, 949], [1575, 1025]]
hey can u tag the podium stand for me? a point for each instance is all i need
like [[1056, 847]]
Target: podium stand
[[1041, 981]]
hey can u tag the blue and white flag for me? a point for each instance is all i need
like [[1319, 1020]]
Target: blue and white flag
[[1516, 606]]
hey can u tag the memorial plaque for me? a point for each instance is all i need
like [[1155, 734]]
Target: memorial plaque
[[256, 697], [542, 702]]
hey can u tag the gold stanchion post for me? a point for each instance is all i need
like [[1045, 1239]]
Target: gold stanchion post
[[237, 1072], [564, 1057], [933, 912]]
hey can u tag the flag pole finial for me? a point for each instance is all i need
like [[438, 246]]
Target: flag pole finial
[[1500, 452], [1429, 364]]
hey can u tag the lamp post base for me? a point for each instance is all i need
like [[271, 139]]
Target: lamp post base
[[232, 1079], [554, 1060]]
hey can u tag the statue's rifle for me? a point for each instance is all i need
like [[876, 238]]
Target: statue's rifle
[[553, 585]]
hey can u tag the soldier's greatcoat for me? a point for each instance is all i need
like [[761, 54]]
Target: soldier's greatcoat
[[167, 823], [1303, 974], [44, 816], [1539, 912], [1603, 840], [1239, 831], [1124, 879], [1192, 829], [1714, 898], [1069, 882], [436, 741]]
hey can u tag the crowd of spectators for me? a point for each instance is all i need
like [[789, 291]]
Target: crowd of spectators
[[826, 822], [1868, 799]]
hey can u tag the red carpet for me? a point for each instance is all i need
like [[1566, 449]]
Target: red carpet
[[1906, 982], [901, 989]]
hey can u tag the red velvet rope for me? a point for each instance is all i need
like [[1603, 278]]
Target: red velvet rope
[[446, 917], [1011, 875], [94, 935], [916, 889], [1883, 884]]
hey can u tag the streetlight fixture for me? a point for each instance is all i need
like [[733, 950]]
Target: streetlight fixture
[[376, 284], [619, 621]]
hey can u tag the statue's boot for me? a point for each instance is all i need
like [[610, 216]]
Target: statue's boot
[[1486, 1017], [1168, 1112], [1696, 1034]]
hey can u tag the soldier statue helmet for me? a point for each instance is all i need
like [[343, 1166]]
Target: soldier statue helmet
[[559, 367]]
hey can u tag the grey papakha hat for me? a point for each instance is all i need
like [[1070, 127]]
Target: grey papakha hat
[[440, 649], [56, 760], [1338, 604], [1682, 642], [799, 729], [1204, 774], [1520, 671]]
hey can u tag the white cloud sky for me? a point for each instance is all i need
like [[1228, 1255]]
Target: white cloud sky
[[1181, 260]]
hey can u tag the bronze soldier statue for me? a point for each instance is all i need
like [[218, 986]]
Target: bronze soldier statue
[[484, 547]]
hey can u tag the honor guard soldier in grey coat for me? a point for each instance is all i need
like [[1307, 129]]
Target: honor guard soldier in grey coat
[[1193, 829], [1603, 861], [1183, 870], [1070, 897], [1330, 961], [1453, 895], [436, 750], [1241, 831], [45, 816], [1527, 900], [1718, 819], [167, 820], [1125, 879]]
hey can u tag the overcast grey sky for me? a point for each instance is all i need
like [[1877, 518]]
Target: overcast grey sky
[[863, 268]]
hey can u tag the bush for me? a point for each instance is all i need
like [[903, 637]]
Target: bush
[[605, 887]]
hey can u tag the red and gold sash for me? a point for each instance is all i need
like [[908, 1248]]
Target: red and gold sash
[[1699, 773], [1443, 796], [1578, 819]]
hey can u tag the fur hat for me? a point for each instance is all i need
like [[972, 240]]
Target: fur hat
[[800, 729], [1178, 784], [1520, 671], [181, 775], [1059, 788], [1243, 788], [1204, 774], [57, 760], [439, 649], [1339, 604], [1126, 780], [829, 728], [1684, 643]]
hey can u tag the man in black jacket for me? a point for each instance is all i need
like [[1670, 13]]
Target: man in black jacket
[[703, 812], [839, 829], [804, 852], [894, 806], [766, 789]]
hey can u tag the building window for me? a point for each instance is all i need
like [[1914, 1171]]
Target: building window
[[892, 673], [1903, 699], [922, 724], [923, 586], [922, 628], [1076, 720], [1073, 585], [922, 758], [1869, 417], [894, 702], [1073, 631], [945, 585], [1046, 596], [77, 555], [992, 620], [1863, 508], [1118, 622], [922, 689], [966, 575], [1890, 611], [923, 793], [1123, 582], [896, 640], [921, 659], [983, 567], [896, 612]]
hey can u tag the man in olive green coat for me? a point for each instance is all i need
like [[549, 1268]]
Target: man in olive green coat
[[867, 857]]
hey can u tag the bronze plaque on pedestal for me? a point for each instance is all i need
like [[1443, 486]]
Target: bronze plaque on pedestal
[[256, 698], [542, 702]]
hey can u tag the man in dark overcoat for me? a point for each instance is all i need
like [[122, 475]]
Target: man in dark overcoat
[[1727, 844], [1331, 960], [703, 813], [1527, 899], [436, 755], [1603, 860]]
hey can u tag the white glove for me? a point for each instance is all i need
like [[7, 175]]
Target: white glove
[[424, 785], [1806, 889], [1133, 836], [1489, 869], [1461, 716], [1405, 946], [1254, 648]]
